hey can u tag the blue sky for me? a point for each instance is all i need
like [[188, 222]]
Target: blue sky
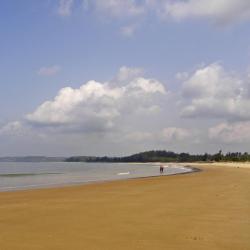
[[49, 45]]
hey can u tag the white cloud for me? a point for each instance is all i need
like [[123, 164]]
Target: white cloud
[[211, 92], [92, 100], [142, 85], [131, 113], [231, 133], [95, 106], [65, 7], [220, 11], [49, 71]]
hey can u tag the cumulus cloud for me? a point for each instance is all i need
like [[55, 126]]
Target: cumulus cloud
[[92, 100], [65, 7], [49, 71], [212, 92], [95, 106], [220, 11], [231, 133]]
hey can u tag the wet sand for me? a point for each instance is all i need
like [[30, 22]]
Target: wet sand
[[203, 210]]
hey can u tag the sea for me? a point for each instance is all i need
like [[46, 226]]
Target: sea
[[34, 175]]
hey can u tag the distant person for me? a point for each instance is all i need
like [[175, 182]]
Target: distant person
[[161, 169]]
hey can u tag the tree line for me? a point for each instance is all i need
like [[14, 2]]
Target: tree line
[[166, 156]]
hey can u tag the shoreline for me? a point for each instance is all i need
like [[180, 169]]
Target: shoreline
[[194, 166], [93, 182]]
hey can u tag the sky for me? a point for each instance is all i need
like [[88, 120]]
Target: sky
[[116, 77]]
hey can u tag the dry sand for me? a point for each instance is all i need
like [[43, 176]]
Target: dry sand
[[225, 164], [203, 210]]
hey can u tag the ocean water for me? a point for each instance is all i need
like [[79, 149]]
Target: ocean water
[[19, 176]]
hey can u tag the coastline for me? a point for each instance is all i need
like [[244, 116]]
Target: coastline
[[209, 210], [181, 169], [194, 167]]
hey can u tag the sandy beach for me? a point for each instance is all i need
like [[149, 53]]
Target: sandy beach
[[203, 210]]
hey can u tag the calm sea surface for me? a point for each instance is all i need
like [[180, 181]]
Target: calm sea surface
[[17, 176]]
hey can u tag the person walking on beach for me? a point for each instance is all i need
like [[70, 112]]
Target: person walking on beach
[[161, 169]]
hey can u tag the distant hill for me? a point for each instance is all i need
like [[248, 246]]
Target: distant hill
[[148, 156], [32, 159], [165, 156]]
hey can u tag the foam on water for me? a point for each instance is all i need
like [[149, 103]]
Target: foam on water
[[123, 173]]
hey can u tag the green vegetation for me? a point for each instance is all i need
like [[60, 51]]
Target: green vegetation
[[148, 156], [165, 156]]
